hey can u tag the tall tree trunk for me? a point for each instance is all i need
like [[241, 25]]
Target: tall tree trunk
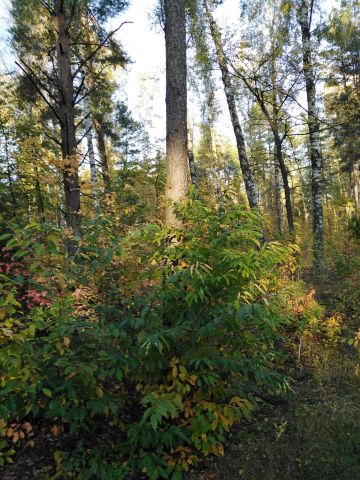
[[279, 215], [250, 185], [67, 115], [91, 153], [39, 197], [285, 178], [8, 172], [99, 132], [354, 176], [304, 19], [177, 166], [105, 171]]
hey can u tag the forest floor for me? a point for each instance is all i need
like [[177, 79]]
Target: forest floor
[[312, 433]]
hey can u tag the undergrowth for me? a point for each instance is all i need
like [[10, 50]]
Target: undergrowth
[[137, 353]]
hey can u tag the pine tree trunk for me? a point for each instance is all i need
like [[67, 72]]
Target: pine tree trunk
[[314, 133], [177, 166], [67, 115], [250, 185]]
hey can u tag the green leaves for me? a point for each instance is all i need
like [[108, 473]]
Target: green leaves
[[161, 407], [158, 347]]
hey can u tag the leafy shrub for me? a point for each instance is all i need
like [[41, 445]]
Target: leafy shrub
[[141, 352]]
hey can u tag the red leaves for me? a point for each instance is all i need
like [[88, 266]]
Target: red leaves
[[35, 298]]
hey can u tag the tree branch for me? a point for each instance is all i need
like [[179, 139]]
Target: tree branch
[[94, 52], [40, 92]]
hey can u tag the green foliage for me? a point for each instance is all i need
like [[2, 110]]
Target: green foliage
[[149, 347]]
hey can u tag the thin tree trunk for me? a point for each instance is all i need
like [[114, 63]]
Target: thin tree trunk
[[355, 187], [285, 178], [99, 133], [67, 115], [105, 172], [39, 197], [8, 172], [249, 181], [304, 18], [91, 153], [279, 215], [191, 158], [177, 166]]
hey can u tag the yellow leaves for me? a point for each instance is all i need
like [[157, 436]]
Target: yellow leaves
[[180, 457], [87, 185], [217, 450], [174, 371], [192, 379], [2, 426], [69, 165], [99, 391], [57, 456], [60, 348], [66, 341], [57, 430], [17, 431], [240, 402], [27, 427]]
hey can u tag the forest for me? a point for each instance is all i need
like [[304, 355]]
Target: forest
[[180, 277]]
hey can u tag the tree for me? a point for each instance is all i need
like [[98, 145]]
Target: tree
[[250, 184], [304, 15], [261, 67], [177, 166], [342, 97], [60, 79]]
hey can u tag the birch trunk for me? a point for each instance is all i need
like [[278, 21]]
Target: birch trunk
[[355, 187], [191, 158], [304, 19], [67, 116], [91, 153], [279, 215], [177, 166], [99, 133], [249, 181], [285, 178]]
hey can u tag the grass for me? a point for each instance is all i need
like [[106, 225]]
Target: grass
[[313, 435]]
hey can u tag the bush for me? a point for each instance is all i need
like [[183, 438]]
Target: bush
[[140, 353]]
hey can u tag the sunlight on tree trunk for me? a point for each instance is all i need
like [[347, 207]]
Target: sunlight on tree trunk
[[177, 165]]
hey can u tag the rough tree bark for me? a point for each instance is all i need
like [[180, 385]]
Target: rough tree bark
[[67, 116], [304, 19], [249, 181], [177, 166]]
